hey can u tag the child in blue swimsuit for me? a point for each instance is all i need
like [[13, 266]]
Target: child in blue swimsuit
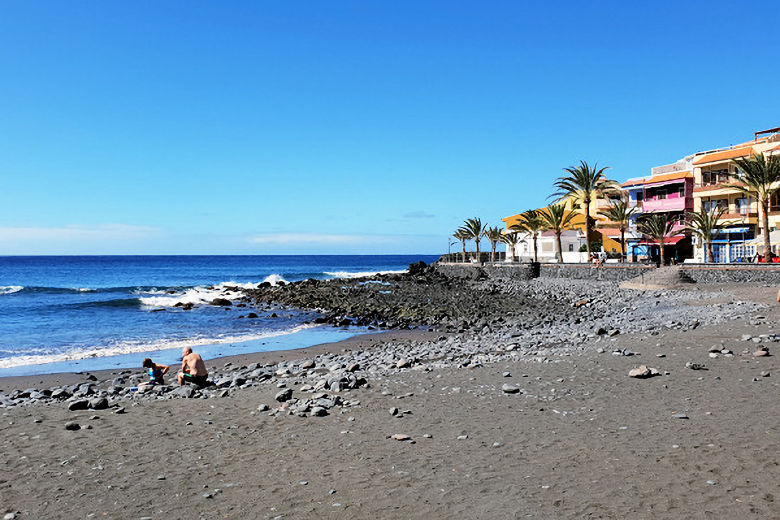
[[156, 372]]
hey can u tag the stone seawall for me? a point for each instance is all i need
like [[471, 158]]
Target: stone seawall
[[608, 272], [497, 271], [705, 273], [715, 273], [527, 271]]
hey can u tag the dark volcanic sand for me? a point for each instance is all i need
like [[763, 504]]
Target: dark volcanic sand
[[582, 440]]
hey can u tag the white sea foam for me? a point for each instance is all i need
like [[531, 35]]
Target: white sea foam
[[10, 289], [274, 279], [195, 295], [360, 274], [134, 347]]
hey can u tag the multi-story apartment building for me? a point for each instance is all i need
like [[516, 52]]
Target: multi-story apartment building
[[635, 191], [713, 173], [669, 191]]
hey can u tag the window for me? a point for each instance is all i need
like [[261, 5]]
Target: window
[[743, 205], [713, 177], [640, 195], [774, 202], [571, 248], [660, 194], [714, 205], [681, 192]]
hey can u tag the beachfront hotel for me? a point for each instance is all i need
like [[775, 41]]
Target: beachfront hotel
[[668, 191], [697, 181], [741, 236]]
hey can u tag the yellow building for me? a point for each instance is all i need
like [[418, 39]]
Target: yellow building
[[712, 172], [575, 238]]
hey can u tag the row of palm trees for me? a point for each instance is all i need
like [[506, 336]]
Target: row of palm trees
[[758, 176]]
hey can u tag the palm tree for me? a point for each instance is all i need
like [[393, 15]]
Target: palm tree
[[531, 223], [584, 183], [619, 212], [557, 219], [760, 177], [704, 224], [657, 227], [475, 231], [461, 235], [511, 239], [494, 235]]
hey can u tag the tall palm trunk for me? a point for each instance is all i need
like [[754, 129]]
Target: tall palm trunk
[[464, 251], [662, 253], [709, 253], [623, 244], [586, 203], [477, 253], [493, 252], [765, 222], [536, 256], [559, 246]]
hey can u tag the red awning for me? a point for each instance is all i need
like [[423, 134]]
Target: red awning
[[668, 242]]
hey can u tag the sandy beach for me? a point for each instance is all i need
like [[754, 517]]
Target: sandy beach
[[575, 438]]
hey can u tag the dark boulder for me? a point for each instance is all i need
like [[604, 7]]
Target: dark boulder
[[221, 302], [99, 403], [417, 268], [79, 404]]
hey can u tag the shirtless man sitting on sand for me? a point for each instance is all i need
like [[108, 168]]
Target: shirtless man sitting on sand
[[193, 369]]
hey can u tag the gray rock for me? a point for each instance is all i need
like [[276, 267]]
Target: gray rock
[[99, 403], [79, 404], [403, 363], [509, 389], [318, 411], [284, 396], [60, 393], [184, 391], [72, 426]]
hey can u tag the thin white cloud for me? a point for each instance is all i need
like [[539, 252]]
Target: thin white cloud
[[418, 214], [317, 239], [75, 233]]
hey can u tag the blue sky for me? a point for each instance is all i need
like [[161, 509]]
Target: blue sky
[[349, 127]]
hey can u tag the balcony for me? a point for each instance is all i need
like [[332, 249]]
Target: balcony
[[739, 215], [668, 204]]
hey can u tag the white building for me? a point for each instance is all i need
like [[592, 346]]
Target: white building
[[571, 241]]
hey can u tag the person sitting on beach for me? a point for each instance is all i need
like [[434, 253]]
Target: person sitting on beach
[[156, 372], [193, 369]]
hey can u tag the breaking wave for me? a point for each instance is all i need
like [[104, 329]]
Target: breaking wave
[[135, 347]]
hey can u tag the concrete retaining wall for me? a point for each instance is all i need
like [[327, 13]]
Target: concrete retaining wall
[[527, 271], [608, 272], [704, 273], [719, 273]]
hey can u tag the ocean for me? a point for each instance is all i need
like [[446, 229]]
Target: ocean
[[81, 313]]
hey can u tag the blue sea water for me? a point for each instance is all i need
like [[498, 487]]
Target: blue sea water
[[77, 313]]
